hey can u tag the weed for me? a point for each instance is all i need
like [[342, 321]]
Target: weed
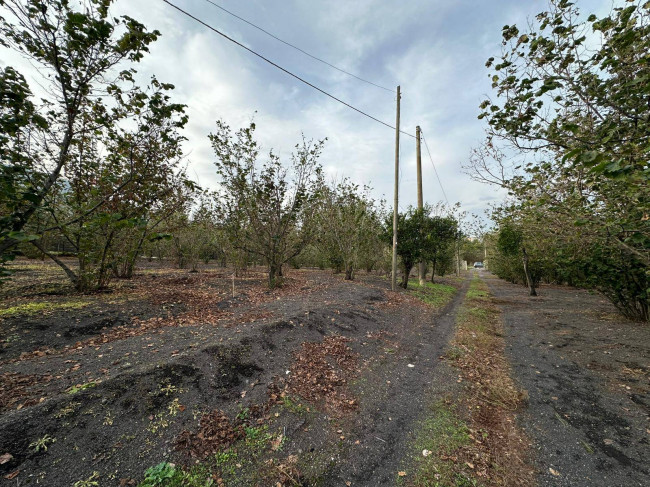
[[293, 406], [157, 423], [454, 353], [41, 443], [175, 407], [257, 435], [243, 414], [80, 387], [442, 433], [89, 482], [159, 474], [226, 462], [67, 410], [436, 295], [167, 475], [108, 419]]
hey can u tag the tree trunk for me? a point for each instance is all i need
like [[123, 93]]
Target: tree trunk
[[407, 273], [69, 272], [349, 271], [433, 270], [273, 275], [531, 284]]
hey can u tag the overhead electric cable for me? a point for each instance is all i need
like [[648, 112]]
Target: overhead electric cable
[[297, 48], [434, 166], [281, 68]]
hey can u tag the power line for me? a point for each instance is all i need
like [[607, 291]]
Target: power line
[[434, 166], [297, 48], [281, 68]]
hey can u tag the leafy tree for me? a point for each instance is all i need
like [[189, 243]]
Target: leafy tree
[[81, 53], [439, 239], [410, 239], [572, 93], [346, 220], [268, 209], [511, 244]]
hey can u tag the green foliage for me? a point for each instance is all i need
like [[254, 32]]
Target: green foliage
[[440, 237], [349, 227], [113, 173], [421, 236], [410, 239], [268, 209], [573, 91], [437, 295]]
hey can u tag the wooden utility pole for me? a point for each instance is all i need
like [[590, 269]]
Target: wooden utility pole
[[395, 203], [418, 159]]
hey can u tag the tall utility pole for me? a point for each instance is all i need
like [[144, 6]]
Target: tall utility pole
[[395, 203], [418, 158]]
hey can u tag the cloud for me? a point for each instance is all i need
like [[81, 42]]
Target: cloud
[[435, 50]]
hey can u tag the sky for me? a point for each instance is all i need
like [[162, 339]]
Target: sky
[[434, 49]]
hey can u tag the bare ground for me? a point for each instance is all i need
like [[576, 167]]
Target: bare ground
[[324, 382], [104, 390], [587, 373]]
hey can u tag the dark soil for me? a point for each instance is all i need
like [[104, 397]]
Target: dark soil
[[587, 373], [178, 371]]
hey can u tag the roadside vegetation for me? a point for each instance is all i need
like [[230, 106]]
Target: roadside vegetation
[[471, 438], [568, 137]]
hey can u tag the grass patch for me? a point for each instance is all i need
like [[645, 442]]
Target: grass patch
[[31, 309], [436, 295], [439, 437], [168, 475], [293, 406], [474, 440]]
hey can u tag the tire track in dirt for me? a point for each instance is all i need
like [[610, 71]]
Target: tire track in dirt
[[587, 433], [393, 397]]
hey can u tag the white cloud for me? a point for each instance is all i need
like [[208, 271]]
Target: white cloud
[[435, 49]]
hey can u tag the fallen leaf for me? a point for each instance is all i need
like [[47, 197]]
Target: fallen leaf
[[5, 458], [12, 475], [607, 441], [275, 444], [554, 472], [401, 474]]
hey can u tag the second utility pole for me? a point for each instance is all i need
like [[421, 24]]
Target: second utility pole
[[418, 159], [394, 270]]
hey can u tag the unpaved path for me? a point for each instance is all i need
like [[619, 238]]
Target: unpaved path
[[587, 374], [394, 397]]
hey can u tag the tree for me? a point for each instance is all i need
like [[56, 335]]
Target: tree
[[511, 243], [268, 210], [346, 220], [439, 239], [572, 93], [80, 52], [410, 239]]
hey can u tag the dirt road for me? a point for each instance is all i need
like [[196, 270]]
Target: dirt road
[[587, 374]]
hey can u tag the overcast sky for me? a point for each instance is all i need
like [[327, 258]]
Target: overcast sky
[[435, 49]]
